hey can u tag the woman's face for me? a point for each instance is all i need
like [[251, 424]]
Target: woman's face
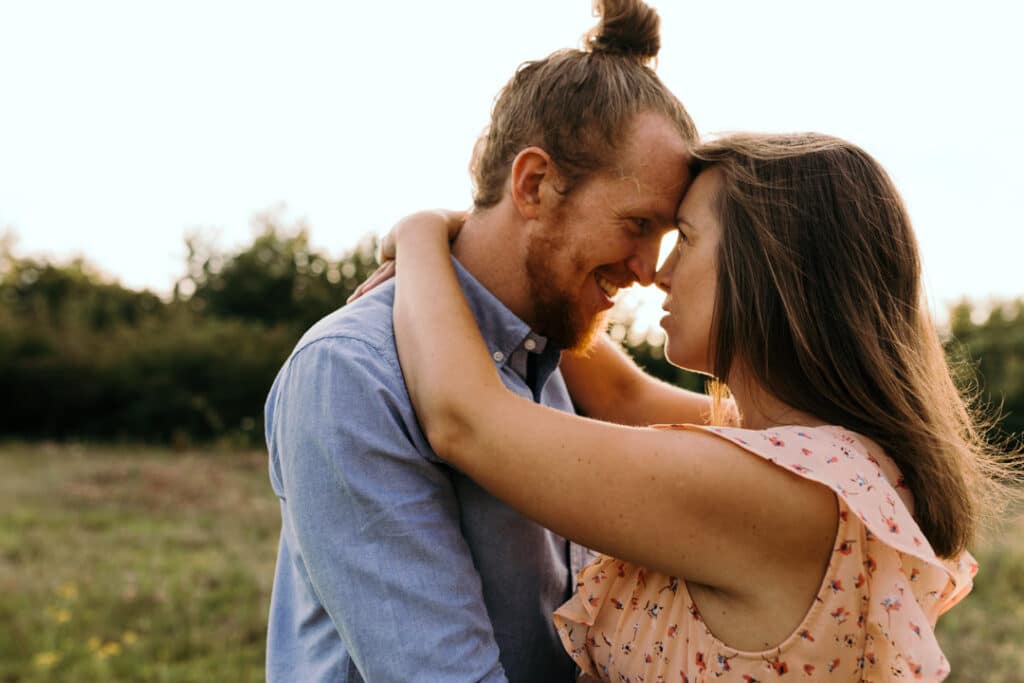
[[690, 274]]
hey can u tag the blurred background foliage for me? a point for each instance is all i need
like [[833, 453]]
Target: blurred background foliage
[[991, 346], [82, 357], [85, 358]]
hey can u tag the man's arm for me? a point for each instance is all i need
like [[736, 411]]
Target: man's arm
[[607, 385], [376, 522]]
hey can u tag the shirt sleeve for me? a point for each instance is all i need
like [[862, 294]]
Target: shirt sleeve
[[376, 520]]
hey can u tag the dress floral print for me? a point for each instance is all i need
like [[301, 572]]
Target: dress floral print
[[873, 618]]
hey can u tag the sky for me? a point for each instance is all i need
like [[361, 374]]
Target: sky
[[125, 125]]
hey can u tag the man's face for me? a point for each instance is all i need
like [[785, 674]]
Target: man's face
[[607, 234]]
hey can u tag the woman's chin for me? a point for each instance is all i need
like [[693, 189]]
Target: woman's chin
[[674, 358], [684, 362]]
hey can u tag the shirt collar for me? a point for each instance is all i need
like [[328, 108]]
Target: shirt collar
[[503, 331]]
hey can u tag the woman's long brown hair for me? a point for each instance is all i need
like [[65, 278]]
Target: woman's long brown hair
[[820, 300]]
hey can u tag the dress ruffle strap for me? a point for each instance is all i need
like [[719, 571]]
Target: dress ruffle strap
[[843, 464]]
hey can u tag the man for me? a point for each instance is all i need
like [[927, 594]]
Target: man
[[392, 566]]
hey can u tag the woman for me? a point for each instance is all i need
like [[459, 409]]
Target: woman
[[822, 535]]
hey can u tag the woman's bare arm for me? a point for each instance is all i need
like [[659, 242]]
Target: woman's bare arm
[[683, 502], [607, 385]]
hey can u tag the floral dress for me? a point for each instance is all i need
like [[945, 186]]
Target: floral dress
[[873, 618]]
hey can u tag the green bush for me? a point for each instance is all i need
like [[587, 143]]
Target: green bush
[[83, 357], [993, 350], [184, 377]]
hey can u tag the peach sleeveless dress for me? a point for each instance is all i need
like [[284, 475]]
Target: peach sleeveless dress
[[872, 620]]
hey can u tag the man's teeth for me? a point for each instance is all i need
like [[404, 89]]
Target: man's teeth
[[608, 288]]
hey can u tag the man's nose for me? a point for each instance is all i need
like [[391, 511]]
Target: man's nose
[[645, 259], [663, 278]]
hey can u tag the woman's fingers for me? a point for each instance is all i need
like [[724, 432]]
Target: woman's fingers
[[385, 272], [386, 251], [455, 220]]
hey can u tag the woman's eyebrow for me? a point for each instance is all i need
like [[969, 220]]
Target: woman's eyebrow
[[681, 220]]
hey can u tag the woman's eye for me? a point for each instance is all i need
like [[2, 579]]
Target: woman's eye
[[682, 240]]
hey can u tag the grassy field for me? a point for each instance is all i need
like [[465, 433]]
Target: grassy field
[[134, 566], [148, 565]]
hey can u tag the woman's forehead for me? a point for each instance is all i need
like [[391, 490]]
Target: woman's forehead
[[696, 207]]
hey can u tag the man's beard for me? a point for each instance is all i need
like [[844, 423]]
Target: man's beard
[[557, 314]]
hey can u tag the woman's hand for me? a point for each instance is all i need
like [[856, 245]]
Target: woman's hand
[[436, 219], [384, 272]]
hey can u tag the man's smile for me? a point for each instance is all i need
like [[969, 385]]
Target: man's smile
[[609, 289]]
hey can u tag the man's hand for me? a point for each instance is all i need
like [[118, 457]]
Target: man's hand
[[438, 219]]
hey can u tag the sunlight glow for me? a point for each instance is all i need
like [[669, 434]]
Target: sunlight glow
[[128, 124]]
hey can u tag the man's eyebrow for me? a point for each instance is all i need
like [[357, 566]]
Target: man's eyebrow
[[650, 214]]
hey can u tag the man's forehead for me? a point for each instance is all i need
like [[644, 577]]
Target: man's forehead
[[655, 181], [654, 139]]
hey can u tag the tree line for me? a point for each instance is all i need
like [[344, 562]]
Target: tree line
[[82, 357]]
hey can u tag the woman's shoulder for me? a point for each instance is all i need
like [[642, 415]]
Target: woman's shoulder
[[853, 466], [834, 455], [862, 476]]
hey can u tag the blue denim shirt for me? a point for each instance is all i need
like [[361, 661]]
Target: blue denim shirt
[[392, 566]]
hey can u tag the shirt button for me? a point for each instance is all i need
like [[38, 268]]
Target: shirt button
[[530, 345], [498, 356]]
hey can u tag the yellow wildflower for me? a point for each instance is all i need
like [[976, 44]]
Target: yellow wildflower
[[129, 637], [45, 660], [68, 591], [109, 650], [93, 644], [61, 616]]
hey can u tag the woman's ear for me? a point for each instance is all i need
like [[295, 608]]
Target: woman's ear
[[532, 169]]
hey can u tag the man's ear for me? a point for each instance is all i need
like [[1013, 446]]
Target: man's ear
[[532, 174]]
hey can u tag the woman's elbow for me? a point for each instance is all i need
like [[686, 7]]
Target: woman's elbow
[[444, 426], [449, 437], [457, 424]]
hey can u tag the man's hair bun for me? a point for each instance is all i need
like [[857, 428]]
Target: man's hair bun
[[628, 27]]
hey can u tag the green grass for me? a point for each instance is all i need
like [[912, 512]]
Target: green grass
[[983, 636], [134, 566], [148, 565]]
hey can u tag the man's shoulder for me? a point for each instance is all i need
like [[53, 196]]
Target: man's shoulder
[[349, 355], [365, 323]]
